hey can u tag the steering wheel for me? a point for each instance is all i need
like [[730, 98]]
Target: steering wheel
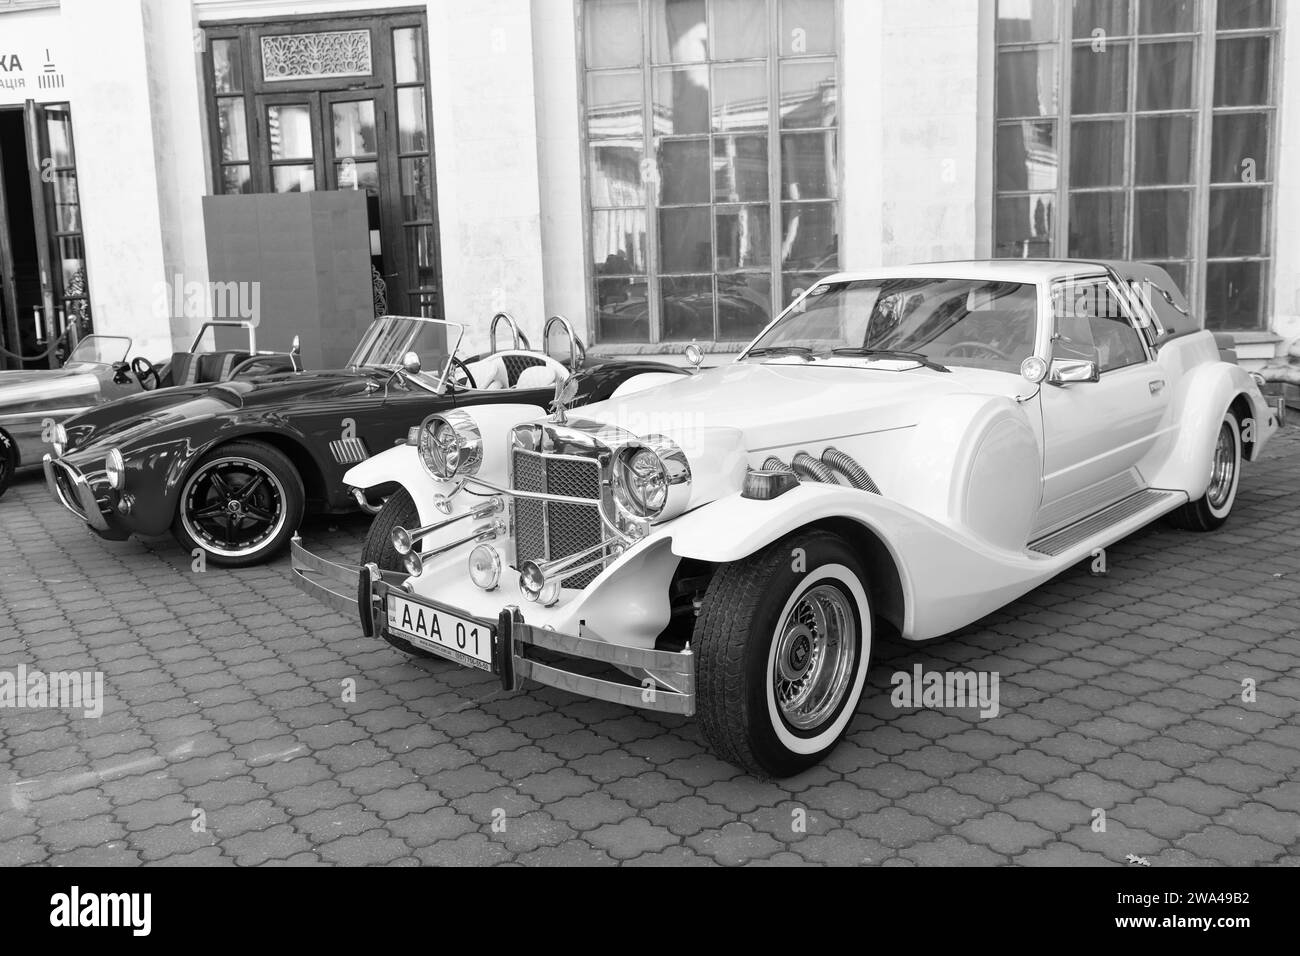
[[973, 350], [144, 370], [469, 376]]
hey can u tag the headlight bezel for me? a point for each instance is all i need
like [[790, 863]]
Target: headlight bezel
[[674, 479], [458, 453], [115, 469]]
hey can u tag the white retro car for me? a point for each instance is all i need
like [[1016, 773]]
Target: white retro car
[[904, 450]]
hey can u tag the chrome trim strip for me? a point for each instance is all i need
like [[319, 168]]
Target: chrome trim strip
[[86, 506], [39, 415], [681, 665], [662, 701]]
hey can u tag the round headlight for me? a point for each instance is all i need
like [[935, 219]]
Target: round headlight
[[451, 446], [641, 483], [115, 469]]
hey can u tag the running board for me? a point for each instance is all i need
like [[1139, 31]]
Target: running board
[[1058, 542]]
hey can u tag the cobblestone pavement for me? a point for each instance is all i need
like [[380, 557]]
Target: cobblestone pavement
[[225, 737]]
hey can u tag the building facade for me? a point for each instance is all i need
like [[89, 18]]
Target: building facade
[[659, 171]]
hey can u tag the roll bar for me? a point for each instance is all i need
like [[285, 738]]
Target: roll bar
[[577, 351], [509, 320]]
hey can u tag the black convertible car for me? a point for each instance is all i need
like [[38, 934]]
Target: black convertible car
[[231, 467]]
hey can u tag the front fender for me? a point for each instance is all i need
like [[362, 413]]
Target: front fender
[[1206, 393], [401, 465], [948, 579]]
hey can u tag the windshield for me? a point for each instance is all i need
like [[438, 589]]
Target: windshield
[[388, 339], [100, 350], [966, 322]]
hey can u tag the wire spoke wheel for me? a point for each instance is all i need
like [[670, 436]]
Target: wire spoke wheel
[[233, 506], [1223, 470], [815, 655]]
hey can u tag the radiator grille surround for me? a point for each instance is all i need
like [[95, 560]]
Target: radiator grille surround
[[546, 530]]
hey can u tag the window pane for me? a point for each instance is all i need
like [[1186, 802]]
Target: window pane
[[1025, 226], [411, 133], [618, 241], [417, 189], [58, 127], [289, 130], [1097, 154], [687, 308], [740, 29], [1165, 145], [808, 94], [1238, 218], [1160, 223], [613, 33], [1028, 82], [744, 306], [1097, 225], [1240, 148], [622, 310], [678, 32], [232, 129], [686, 239], [1243, 72], [681, 101], [740, 98], [1167, 16], [354, 128], [293, 179], [408, 55], [67, 204], [614, 106], [810, 237], [1024, 22], [614, 174], [1165, 73], [1110, 16], [1027, 155], [235, 180], [807, 26], [684, 171], [421, 257], [349, 174], [744, 238], [740, 169], [1234, 295], [1245, 14], [809, 166], [72, 261], [227, 67], [1100, 79]]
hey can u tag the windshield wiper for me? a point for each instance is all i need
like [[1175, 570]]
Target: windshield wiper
[[895, 354], [780, 350]]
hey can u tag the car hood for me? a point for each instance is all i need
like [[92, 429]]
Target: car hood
[[74, 385], [783, 403], [140, 417]]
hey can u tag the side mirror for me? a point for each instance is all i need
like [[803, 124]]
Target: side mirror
[[295, 354], [694, 355], [1073, 372], [411, 363]]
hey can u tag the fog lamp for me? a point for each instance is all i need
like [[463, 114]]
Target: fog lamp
[[485, 567]]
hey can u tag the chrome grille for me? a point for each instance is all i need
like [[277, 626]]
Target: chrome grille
[[546, 530]]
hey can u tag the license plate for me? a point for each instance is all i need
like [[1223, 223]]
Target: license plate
[[436, 631]]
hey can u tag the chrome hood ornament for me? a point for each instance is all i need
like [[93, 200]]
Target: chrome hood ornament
[[565, 392]]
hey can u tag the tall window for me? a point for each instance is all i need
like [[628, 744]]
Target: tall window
[[712, 162], [1142, 129]]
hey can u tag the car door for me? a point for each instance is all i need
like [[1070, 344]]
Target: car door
[[1096, 433]]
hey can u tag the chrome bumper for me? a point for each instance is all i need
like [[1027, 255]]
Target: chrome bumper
[[362, 592], [71, 489]]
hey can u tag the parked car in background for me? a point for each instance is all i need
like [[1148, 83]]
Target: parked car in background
[[33, 402], [901, 451], [231, 467]]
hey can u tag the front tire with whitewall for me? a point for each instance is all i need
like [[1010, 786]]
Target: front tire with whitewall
[[782, 646]]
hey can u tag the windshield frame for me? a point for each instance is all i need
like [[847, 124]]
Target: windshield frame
[[1042, 310], [381, 326], [72, 360]]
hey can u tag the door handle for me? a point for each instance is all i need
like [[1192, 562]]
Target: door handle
[[1157, 386]]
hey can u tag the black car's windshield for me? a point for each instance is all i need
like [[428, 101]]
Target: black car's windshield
[[963, 322], [389, 339], [100, 350]]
